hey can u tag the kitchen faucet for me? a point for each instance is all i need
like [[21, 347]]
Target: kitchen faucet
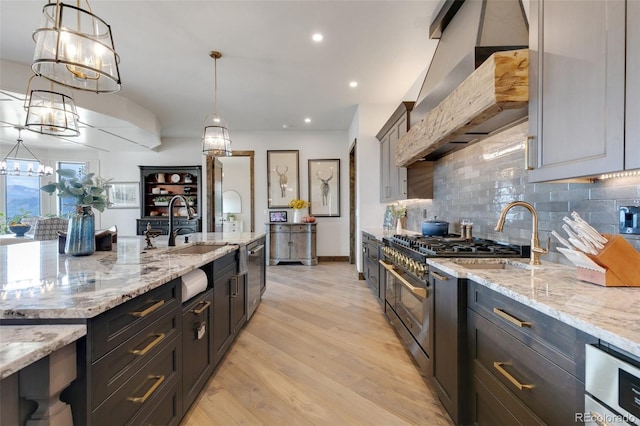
[[536, 250], [172, 233]]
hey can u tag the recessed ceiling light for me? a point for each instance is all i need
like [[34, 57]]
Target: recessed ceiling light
[[317, 37], [307, 120], [353, 84]]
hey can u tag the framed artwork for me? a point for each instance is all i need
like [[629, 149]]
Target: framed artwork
[[123, 195], [278, 216], [282, 178], [324, 187]]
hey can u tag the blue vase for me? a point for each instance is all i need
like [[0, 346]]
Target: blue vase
[[81, 232]]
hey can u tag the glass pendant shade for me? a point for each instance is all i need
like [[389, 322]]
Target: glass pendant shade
[[75, 48], [6, 168], [215, 137], [50, 112]]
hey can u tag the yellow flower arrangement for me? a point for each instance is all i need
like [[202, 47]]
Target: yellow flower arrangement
[[299, 204]]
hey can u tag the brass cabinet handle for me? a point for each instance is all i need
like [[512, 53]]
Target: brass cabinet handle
[[147, 311], [498, 366], [598, 418], [143, 351], [205, 304], [527, 165], [152, 389], [418, 291], [439, 276], [512, 320]]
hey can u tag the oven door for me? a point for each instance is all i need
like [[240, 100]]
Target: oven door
[[411, 316]]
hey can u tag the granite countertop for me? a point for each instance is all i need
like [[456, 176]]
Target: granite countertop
[[611, 314], [22, 345], [37, 282]]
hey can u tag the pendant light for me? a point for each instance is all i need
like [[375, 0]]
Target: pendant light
[[38, 170], [75, 48], [50, 112], [215, 136]]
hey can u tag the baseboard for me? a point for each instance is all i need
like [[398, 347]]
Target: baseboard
[[333, 258]]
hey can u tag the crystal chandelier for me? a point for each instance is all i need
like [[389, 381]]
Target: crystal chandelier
[[215, 136], [50, 112], [75, 48], [38, 170]]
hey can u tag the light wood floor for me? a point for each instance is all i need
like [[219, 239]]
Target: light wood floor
[[318, 351]]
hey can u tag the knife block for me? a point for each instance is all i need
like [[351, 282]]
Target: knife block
[[621, 260]]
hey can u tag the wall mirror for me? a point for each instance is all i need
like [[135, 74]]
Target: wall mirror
[[231, 201], [238, 176]]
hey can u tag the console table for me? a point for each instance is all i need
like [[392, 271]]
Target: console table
[[292, 242]]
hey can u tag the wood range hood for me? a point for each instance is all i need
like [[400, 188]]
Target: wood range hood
[[477, 83]]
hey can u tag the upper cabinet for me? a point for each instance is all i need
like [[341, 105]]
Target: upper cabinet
[[577, 88], [398, 183], [632, 160]]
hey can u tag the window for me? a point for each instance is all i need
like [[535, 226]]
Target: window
[[22, 193], [66, 206]]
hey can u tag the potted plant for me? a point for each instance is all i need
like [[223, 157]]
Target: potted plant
[[15, 223], [87, 191], [190, 199], [299, 209], [161, 201]]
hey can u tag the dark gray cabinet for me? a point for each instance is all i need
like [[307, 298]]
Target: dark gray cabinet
[[522, 364], [292, 242], [370, 265], [158, 184], [130, 359], [229, 304], [577, 88], [197, 345], [449, 342]]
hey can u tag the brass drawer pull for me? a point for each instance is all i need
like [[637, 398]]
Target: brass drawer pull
[[149, 310], [152, 389], [143, 351], [498, 366], [439, 276], [205, 305], [512, 320]]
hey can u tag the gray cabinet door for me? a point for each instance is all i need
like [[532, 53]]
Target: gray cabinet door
[[632, 141], [398, 175], [385, 170], [576, 99]]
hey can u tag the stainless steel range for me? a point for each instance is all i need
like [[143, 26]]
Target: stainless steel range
[[408, 295]]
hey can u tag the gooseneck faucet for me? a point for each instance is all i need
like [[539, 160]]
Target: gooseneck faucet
[[536, 250], [172, 233]]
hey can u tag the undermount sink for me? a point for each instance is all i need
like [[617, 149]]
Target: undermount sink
[[196, 249], [494, 264]]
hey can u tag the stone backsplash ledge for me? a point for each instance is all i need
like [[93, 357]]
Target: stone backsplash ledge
[[477, 182]]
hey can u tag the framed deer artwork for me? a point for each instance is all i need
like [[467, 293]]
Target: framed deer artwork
[[324, 187], [282, 178]]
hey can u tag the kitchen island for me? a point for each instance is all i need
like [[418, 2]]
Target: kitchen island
[[129, 303]]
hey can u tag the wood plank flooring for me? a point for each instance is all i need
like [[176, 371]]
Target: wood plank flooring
[[318, 351]]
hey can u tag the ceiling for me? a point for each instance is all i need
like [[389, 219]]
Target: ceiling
[[271, 74]]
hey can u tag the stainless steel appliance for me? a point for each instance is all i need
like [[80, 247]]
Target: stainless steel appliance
[[408, 294], [256, 268], [612, 385]]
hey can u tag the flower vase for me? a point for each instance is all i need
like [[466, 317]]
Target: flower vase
[[298, 214], [399, 226], [81, 238]]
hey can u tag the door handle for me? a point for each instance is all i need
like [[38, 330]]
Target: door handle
[[418, 291]]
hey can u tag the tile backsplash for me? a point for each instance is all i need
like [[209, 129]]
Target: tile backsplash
[[475, 183]]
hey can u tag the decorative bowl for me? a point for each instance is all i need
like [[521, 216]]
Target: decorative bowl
[[20, 229]]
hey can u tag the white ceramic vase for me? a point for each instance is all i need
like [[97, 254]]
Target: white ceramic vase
[[298, 214]]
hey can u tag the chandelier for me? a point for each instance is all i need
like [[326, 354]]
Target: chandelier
[[38, 170], [50, 112], [75, 48], [215, 136]]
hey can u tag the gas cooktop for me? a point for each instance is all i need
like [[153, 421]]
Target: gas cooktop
[[454, 246]]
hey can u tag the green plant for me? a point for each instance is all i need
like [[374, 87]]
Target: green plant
[[17, 218], [160, 199], [85, 189]]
